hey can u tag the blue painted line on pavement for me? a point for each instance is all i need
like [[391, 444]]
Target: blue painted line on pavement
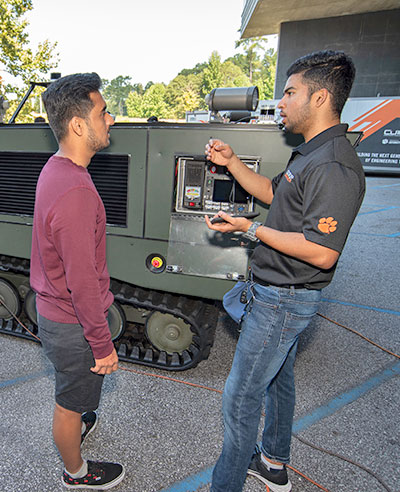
[[203, 478], [191, 484], [376, 205], [385, 186], [378, 210], [396, 234], [24, 379], [346, 398], [361, 306]]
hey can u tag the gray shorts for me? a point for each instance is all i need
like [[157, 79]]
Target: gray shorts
[[77, 387]]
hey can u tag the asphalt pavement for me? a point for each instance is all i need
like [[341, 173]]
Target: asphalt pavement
[[169, 435]]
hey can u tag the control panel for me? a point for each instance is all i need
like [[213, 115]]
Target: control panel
[[203, 187]]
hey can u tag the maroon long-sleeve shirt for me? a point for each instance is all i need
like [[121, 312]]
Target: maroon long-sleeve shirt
[[68, 260]]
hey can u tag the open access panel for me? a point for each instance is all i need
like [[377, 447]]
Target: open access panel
[[203, 188]]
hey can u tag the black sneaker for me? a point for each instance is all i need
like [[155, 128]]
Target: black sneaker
[[90, 420], [277, 480], [100, 476]]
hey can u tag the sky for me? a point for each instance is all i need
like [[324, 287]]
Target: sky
[[148, 40]]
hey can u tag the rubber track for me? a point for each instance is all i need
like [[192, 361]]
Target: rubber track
[[133, 346]]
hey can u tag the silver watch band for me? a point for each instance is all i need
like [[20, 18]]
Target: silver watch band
[[251, 233]]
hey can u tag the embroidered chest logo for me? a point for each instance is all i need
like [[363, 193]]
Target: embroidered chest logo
[[289, 175], [327, 225]]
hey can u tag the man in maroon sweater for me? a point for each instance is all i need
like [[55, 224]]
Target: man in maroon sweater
[[69, 273]]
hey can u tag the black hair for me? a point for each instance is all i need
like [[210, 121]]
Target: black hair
[[67, 97], [331, 70]]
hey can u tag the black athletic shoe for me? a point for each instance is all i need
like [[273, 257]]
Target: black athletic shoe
[[90, 420], [100, 476], [277, 480]]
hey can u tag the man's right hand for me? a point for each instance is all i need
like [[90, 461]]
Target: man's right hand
[[230, 224], [257, 185], [107, 365], [219, 152]]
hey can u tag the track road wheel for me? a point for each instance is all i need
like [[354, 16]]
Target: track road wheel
[[30, 306], [168, 333], [116, 316], [10, 297], [116, 321]]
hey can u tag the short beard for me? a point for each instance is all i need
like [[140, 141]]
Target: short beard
[[303, 120], [93, 142]]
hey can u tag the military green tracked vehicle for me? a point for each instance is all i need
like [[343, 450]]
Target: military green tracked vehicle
[[167, 268]]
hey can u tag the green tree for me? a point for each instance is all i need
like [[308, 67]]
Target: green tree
[[251, 58], [196, 70], [240, 61], [152, 103], [233, 76], [134, 104], [138, 88], [183, 94], [115, 93], [16, 58], [268, 74], [148, 85], [212, 76]]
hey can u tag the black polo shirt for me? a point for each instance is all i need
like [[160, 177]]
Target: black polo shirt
[[319, 194]]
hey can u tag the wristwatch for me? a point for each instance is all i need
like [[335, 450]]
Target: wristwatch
[[251, 232]]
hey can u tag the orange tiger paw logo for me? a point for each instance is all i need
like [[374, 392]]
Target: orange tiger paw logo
[[327, 225]]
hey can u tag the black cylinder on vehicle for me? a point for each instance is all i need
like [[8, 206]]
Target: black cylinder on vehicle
[[234, 98]]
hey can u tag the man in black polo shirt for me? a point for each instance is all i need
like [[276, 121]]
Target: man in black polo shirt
[[313, 205]]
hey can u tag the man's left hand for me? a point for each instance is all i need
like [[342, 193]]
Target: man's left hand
[[107, 365]]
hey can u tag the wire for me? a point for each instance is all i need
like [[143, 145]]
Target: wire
[[344, 458], [308, 478], [304, 441], [136, 371], [360, 335], [18, 321]]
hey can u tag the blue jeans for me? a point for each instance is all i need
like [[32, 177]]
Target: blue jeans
[[263, 364]]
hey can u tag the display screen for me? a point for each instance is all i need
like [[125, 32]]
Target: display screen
[[229, 191]]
